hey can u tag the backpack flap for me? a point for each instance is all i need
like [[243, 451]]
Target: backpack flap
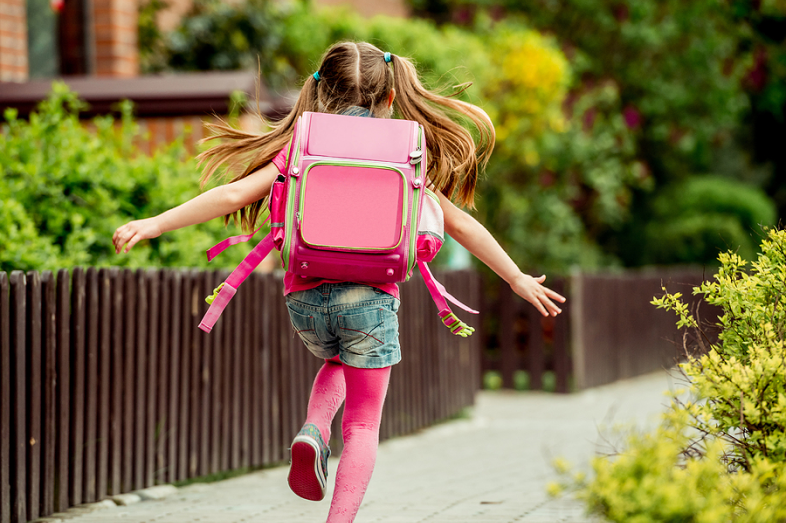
[[354, 138]]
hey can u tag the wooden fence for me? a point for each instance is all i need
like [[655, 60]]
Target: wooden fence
[[617, 333], [518, 337], [107, 385], [608, 330]]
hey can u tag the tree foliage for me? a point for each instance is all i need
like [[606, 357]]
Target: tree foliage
[[601, 106]]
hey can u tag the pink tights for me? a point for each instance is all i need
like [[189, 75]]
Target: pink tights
[[364, 390]]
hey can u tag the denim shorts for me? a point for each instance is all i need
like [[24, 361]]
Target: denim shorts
[[356, 322]]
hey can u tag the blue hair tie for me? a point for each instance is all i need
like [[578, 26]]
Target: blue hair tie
[[387, 58], [316, 76]]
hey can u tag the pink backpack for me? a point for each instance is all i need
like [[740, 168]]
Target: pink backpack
[[353, 206]]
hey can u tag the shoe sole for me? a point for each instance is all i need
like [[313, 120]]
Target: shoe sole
[[305, 478]]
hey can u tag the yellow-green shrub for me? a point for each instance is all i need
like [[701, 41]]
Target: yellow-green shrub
[[720, 456]]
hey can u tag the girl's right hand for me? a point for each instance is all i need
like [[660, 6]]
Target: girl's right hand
[[533, 290], [129, 234]]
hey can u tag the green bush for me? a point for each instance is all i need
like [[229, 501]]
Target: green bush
[[721, 455], [695, 220], [64, 189], [655, 480]]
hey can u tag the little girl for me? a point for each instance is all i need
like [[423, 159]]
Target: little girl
[[355, 79]]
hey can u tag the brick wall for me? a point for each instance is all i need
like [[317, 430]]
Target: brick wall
[[13, 41], [114, 27], [371, 8]]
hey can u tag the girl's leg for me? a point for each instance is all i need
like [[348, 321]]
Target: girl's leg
[[366, 390], [308, 469], [327, 395]]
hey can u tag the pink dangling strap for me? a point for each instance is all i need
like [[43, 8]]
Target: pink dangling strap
[[437, 289], [439, 295], [224, 292], [218, 248]]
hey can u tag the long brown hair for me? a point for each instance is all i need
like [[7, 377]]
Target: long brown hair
[[356, 74]]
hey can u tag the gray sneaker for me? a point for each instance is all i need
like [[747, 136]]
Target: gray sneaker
[[308, 466]]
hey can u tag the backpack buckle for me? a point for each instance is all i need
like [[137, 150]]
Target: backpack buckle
[[212, 297]]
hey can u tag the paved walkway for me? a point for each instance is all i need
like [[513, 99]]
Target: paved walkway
[[492, 467]]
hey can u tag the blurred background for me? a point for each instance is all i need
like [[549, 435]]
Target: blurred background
[[636, 140], [630, 133]]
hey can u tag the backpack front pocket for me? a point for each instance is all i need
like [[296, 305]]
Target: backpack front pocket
[[352, 207]]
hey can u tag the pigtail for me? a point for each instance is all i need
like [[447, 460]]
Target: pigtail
[[241, 152], [455, 159]]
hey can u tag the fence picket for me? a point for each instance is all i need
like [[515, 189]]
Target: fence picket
[[205, 379], [265, 368], [139, 390], [174, 377], [154, 300], [18, 380], [49, 369], [33, 386], [63, 390], [5, 401], [117, 383], [78, 385], [195, 378], [91, 384], [184, 414], [162, 420], [129, 378], [104, 323]]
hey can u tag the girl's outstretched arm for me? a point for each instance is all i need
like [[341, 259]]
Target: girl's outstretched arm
[[219, 201], [478, 240]]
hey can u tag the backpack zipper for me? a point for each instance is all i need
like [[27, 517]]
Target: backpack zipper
[[413, 229], [288, 222]]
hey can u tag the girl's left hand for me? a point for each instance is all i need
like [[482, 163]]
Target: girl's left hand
[[129, 234], [532, 290]]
